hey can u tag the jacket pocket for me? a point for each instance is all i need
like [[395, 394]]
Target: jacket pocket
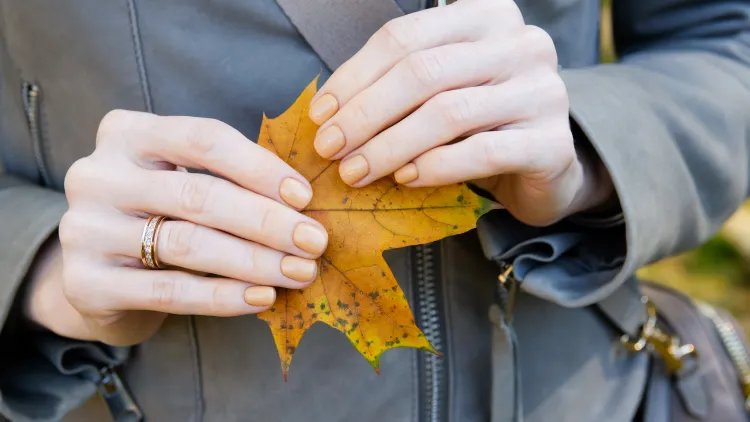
[[31, 97]]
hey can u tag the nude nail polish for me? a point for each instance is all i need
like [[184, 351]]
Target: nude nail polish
[[295, 193], [329, 141], [309, 238], [323, 109], [298, 269], [406, 174], [260, 296], [354, 169]]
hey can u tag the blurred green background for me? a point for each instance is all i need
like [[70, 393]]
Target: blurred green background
[[717, 272]]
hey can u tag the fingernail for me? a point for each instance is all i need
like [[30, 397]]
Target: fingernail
[[323, 109], [299, 269], [354, 169], [295, 193], [329, 141], [406, 174], [311, 239], [260, 296]]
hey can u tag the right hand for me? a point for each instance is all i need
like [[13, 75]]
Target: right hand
[[244, 228]]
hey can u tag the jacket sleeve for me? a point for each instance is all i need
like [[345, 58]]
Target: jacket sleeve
[[42, 376], [671, 122]]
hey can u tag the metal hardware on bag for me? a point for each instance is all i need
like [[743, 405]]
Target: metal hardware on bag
[[122, 407], [653, 338], [510, 284]]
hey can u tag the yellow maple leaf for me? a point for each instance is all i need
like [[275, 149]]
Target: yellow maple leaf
[[355, 291]]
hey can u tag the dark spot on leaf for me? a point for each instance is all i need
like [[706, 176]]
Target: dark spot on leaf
[[369, 343], [328, 312], [388, 343], [455, 227], [311, 305], [273, 309], [397, 341], [406, 335], [298, 316], [344, 200], [322, 306], [356, 303], [292, 154], [373, 295], [314, 315], [349, 313], [394, 288], [357, 342], [342, 321], [283, 325], [300, 292], [301, 325], [355, 325], [382, 273], [290, 349], [460, 198], [342, 305], [354, 294], [270, 141]]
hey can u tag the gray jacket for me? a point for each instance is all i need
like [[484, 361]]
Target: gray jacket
[[671, 121]]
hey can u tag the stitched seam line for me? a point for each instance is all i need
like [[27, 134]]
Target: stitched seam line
[[200, 407], [138, 47]]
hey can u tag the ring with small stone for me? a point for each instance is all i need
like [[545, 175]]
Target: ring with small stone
[[149, 241]]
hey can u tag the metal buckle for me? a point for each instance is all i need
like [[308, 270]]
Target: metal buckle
[[511, 285], [652, 338]]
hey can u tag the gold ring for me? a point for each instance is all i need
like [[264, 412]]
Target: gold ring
[[149, 242]]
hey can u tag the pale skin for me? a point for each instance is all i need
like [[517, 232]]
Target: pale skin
[[465, 93]]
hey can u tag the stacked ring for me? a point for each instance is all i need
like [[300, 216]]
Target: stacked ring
[[149, 241]]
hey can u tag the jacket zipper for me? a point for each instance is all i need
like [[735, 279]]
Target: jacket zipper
[[122, 407], [734, 346], [31, 96], [432, 368]]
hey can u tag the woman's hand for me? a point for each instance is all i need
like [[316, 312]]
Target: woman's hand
[[243, 227], [424, 82]]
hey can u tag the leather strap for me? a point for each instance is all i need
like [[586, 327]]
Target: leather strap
[[336, 29], [625, 309]]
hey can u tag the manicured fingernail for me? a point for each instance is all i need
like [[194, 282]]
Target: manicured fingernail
[[323, 109], [295, 193], [299, 269], [406, 174], [260, 296], [329, 141], [354, 169], [311, 239]]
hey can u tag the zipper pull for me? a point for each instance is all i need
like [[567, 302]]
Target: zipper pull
[[507, 289], [121, 404]]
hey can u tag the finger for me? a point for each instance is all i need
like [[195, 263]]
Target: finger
[[178, 292], [412, 81], [514, 151], [439, 121], [216, 203], [206, 144], [186, 245], [462, 21]]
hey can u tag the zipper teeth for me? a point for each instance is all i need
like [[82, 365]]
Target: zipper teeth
[[732, 343], [430, 319], [31, 100]]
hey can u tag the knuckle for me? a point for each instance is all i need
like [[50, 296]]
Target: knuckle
[[69, 228], [194, 194], [362, 116], [202, 135], [399, 34], [79, 178], [426, 67], [455, 109], [167, 291], [492, 154], [180, 239], [76, 285], [265, 223], [541, 41], [112, 124]]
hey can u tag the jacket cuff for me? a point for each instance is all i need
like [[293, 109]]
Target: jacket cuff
[[42, 375]]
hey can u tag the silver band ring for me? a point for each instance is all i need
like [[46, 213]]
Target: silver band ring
[[149, 242]]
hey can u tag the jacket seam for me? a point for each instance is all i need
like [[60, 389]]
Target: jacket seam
[[413, 361], [200, 407], [135, 33], [450, 364]]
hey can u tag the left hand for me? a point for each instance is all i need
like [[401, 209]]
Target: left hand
[[461, 93]]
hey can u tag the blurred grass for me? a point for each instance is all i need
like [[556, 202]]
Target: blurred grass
[[718, 272]]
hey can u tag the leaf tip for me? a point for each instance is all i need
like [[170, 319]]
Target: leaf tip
[[377, 371]]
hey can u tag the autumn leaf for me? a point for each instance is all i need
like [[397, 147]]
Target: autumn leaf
[[355, 291]]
